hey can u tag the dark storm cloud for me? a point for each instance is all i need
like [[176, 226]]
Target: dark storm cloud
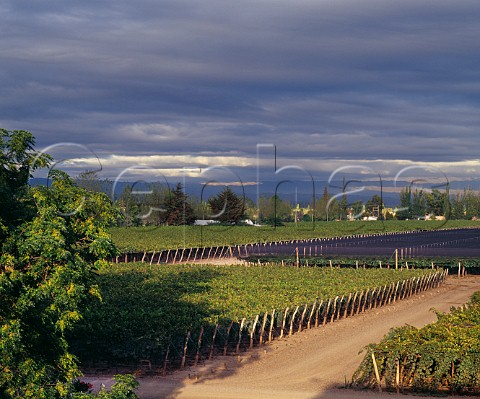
[[346, 80]]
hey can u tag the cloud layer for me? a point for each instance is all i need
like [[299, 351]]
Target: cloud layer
[[381, 82]]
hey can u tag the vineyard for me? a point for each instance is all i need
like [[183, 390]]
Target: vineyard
[[150, 238], [170, 315], [440, 357], [453, 265]]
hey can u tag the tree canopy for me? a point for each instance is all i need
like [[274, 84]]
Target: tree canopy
[[53, 240]]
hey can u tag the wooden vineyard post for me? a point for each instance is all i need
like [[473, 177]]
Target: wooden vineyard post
[[381, 296], [302, 318], [199, 343], [365, 300], [459, 267], [226, 339], [370, 305], [377, 375], [319, 307], [262, 331], [195, 256], [151, 259], [181, 257], [185, 347], [309, 323], [283, 322], [237, 350], [212, 346], [339, 308], [360, 298], [391, 289], [164, 371], [352, 309], [334, 309], [160, 257], [270, 332], [298, 260], [345, 313], [394, 298], [325, 315], [396, 259], [292, 320], [397, 376], [175, 256], [252, 333]]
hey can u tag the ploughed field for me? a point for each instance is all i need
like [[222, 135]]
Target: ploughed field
[[434, 243]]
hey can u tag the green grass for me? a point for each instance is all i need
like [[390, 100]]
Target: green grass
[[138, 239]]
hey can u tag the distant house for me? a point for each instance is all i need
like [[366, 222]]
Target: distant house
[[205, 222]]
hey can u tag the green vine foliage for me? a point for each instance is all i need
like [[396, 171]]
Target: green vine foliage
[[441, 356], [47, 265], [123, 388]]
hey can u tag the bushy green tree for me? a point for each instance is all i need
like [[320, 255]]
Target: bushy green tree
[[123, 388], [405, 211], [48, 259], [227, 206], [274, 210]]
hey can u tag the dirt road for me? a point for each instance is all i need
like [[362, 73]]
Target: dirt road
[[313, 364]]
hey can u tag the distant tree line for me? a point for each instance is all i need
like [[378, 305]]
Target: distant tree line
[[156, 205]]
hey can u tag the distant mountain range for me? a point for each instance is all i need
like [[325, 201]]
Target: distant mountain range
[[300, 193]]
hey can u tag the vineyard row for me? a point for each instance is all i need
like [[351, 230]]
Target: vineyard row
[[238, 336], [356, 245]]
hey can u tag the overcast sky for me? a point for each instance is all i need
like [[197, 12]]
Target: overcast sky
[[180, 83]]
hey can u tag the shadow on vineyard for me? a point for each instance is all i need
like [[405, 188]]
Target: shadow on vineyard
[[140, 317]]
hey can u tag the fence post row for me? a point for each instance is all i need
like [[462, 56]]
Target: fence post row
[[262, 328]]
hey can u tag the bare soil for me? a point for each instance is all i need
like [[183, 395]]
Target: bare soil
[[313, 364]]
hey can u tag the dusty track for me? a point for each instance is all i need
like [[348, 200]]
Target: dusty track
[[311, 364]]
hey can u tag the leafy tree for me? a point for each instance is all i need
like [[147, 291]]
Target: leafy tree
[[458, 207], [438, 203], [327, 209], [129, 208], [405, 204], [274, 210], [47, 264], [343, 207], [152, 205], [17, 158], [227, 206], [419, 203], [123, 388], [471, 203], [90, 181]]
